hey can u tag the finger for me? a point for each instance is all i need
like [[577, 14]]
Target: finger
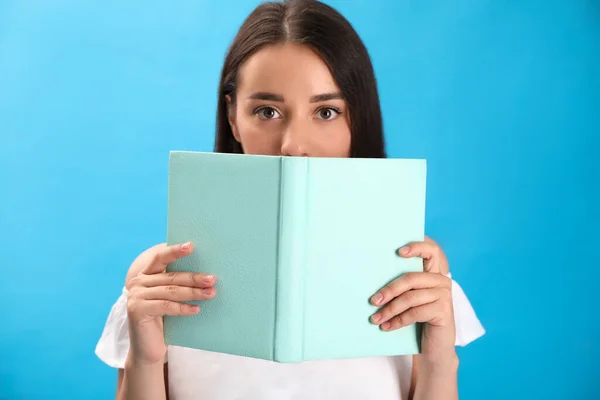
[[158, 308], [191, 279], [425, 250], [412, 298], [167, 255], [409, 281], [424, 313], [434, 259], [177, 293]]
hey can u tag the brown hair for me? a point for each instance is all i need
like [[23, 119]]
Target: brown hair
[[326, 31]]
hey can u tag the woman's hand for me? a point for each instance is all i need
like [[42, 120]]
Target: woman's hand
[[154, 293], [421, 297]]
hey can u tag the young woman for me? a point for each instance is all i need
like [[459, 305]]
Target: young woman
[[297, 81]]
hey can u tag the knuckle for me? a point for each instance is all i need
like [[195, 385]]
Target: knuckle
[[398, 306], [135, 281], [391, 309], [411, 277], [133, 294], [387, 291], [401, 320], [133, 306], [166, 305], [413, 314], [171, 277], [410, 297], [386, 313], [195, 278], [172, 288], [182, 307]]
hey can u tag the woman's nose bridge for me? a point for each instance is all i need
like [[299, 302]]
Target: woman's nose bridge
[[296, 127], [295, 134]]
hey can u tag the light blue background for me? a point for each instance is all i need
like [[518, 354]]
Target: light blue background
[[502, 97]]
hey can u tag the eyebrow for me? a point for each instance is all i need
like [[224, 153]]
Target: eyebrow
[[266, 96], [279, 98], [326, 97]]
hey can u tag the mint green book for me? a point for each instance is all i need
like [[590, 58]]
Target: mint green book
[[298, 246]]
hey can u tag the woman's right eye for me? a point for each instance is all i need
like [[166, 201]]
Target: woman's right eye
[[267, 113]]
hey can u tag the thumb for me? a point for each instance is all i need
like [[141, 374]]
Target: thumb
[[428, 251], [164, 256]]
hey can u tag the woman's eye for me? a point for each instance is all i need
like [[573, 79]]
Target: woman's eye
[[327, 113], [267, 113]]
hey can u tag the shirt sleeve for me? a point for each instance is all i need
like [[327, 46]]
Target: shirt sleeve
[[113, 346], [468, 326]]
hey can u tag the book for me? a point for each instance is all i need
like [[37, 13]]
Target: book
[[298, 245]]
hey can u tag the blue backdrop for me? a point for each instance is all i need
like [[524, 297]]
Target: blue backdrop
[[502, 98]]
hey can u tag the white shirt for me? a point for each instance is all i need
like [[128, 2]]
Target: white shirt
[[196, 374]]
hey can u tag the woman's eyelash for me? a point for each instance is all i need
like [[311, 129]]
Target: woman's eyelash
[[262, 109], [333, 111], [275, 113], [337, 110]]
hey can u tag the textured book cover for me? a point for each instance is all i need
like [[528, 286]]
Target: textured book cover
[[298, 245]]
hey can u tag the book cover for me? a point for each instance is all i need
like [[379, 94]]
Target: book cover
[[298, 245]]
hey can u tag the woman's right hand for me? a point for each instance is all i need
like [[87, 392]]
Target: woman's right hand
[[154, 293]]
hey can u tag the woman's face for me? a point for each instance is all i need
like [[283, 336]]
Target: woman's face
[[287, 103]]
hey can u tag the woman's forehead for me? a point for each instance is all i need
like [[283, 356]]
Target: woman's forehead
[[286, 68]]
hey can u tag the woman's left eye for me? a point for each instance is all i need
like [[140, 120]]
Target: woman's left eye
[[328, 113]]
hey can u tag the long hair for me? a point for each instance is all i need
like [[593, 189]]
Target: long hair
[[330, 35]]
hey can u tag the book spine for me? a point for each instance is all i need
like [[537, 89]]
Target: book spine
[[289, 310]]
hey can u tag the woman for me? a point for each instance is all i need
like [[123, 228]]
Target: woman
[[297, 81]]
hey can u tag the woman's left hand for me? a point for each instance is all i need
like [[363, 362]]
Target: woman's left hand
[[421, 297]]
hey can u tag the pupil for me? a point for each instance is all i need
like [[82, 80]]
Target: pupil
[[326, 114]]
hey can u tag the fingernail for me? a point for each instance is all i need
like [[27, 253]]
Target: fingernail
[[385, 326], [209, 278], [185, 246], [404, 250], [207, 291], [377, 298], [375, 318]]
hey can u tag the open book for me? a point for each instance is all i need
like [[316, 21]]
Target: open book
[[298, 246]]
